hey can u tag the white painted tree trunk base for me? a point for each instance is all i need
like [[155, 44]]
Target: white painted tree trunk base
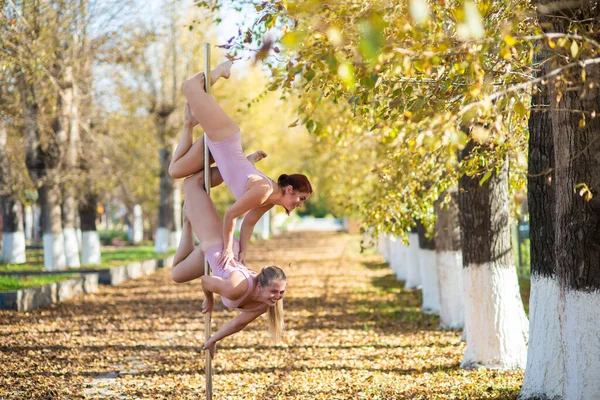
[[391, 241], [138, 224], [263, 226], [496, 325], [383, 246], [543, 374], [449, 268], [161, 241], [177, 204], [580, 338], [28, 219], [398, 258], [90, 248], [429, 281], [37, 221], [413, 273], [54, 252], [79, 238], [71, 247], [13, 248], [174, 239]]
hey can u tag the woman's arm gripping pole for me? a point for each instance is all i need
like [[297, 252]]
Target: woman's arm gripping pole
[[254, 197], [248, 224], [235, 325]]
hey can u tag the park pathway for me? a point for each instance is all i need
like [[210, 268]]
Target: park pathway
[[352, 332]]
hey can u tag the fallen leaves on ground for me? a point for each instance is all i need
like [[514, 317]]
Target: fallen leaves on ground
[[352, 332]]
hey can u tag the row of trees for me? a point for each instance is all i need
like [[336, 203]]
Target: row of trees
[[46, 98], [415, 100], [90, 95]]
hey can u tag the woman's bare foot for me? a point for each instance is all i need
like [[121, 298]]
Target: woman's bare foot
[[222, 70], [207, 305], [256, 156]]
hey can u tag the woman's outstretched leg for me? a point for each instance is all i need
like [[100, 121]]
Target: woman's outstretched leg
[[201, 212], [188, 262], [188, 157], [215, 122]]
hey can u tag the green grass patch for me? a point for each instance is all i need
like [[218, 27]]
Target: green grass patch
[[35, 262], [112, 256], [525, 288], [21, 282], [115, 256]]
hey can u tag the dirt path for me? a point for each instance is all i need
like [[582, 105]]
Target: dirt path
[[351, 333]]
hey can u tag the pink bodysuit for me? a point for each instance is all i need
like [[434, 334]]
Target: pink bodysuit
[[213, 255], [233, 164]]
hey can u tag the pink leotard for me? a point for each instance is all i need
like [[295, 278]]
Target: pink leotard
[[213, 255], [233, 164]]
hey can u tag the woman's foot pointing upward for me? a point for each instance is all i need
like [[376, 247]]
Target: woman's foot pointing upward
[[256, 156]]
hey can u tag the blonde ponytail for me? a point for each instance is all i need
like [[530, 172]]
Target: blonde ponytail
[[276, 321], [265, 277]]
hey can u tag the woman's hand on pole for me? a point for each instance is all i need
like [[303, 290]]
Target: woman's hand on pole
[[210, 346]]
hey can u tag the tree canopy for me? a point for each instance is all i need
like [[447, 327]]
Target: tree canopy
[[393, 90]]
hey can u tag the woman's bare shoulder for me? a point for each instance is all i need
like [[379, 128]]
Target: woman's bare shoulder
[[258, 182], [259, 179], [238, 283]]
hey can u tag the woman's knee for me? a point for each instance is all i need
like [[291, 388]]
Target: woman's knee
[[192, 182], [176, 275], [174, 171], [193, 84]]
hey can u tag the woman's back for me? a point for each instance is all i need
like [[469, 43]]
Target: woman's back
[[233, 164]]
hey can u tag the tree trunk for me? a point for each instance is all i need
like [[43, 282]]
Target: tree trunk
[[37, 222], [70, 145], [165, 206], [177, 219], [448, 254], [577, 229], [136, 225], [413, 273], [90, 239], [88, 202], [54, 244], [543, 374], [428, 272], [13, 236], [496, 325], [264, 227], [383, 246], [398, 258], [41, 166], [28, 218]]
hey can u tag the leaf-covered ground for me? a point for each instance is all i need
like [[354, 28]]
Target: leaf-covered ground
[[352, 333]]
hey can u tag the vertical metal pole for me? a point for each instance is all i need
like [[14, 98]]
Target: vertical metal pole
[[208, 363]]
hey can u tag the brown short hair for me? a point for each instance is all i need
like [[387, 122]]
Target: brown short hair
[[298, 182]]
